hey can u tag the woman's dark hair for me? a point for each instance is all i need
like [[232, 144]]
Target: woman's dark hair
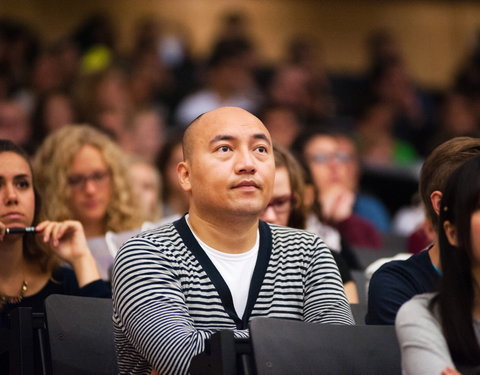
[[32, 251], [455, 300], [298, 213]]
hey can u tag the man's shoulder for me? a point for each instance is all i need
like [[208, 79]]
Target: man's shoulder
[[292, 235], [161, 237], [412, 265], [415, 274]]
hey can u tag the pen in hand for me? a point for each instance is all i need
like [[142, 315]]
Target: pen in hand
[[20, 230]]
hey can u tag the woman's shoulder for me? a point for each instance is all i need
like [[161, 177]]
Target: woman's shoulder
[[416, 308]]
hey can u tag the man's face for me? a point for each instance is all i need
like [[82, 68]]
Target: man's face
[[231, 167]]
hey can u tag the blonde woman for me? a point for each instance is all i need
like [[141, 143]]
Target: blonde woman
[[83, 175]]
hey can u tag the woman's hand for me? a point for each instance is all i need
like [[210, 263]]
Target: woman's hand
[[67, 240], [337, 204]]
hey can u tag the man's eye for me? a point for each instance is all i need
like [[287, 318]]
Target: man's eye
[[262, 149], [224, 148]]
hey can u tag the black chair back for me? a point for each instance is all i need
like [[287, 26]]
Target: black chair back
[[80, 333], [284, 347]]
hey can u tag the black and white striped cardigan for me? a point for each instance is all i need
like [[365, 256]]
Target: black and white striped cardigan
[[168, 297]]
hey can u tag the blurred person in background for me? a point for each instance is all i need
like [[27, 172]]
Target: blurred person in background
[[174, 199], [146, 134], [53, 110], [83, 175], [287, 208], [282, 122], [378, 145], [334, 175], [147, 187], [230, 81], [15, 124]]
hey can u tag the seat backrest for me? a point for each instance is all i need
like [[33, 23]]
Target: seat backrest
[[284, 347], [80, 333], [359, 310]]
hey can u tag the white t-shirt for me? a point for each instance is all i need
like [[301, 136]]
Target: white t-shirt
[[236, 270]]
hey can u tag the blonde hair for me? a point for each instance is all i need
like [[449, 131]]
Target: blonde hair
[[52, 164]]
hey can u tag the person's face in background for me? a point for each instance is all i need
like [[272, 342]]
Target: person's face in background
[[90, 185], [347, 147], [58, 112], [328, 163], [148, 135], [282, 125], [280, 205], [16, 191], [14, 124], [146, 187]]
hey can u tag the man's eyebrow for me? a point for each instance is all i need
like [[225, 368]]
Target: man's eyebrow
[[226, 137], [222, 137], [261, 136]]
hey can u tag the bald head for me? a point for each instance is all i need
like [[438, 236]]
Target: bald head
[[223, 118]]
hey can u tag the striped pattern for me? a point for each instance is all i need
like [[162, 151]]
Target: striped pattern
[[166, 304]]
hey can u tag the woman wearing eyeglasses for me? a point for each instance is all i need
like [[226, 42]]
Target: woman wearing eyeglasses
[[83, 175], [287, 207]]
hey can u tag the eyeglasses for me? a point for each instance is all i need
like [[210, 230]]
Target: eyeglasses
[[324, 157], [79, 181], [281, 204]]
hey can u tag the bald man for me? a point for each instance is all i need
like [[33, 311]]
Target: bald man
[[219, 266]]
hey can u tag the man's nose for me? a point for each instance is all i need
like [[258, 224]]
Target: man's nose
[[245, 162]]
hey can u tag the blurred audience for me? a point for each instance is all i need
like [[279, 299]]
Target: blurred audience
[[147, 187], [287, 207], [335, 177], [83, 175], [174, 199]]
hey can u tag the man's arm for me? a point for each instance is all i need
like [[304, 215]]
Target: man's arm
[[152, 310], [325, 300]]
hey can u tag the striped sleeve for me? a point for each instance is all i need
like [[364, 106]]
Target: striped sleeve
[[325, 299]]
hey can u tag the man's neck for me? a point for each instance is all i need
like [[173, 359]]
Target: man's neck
[[229, 236]]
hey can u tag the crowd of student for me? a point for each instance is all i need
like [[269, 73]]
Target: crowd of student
[[125, 172]]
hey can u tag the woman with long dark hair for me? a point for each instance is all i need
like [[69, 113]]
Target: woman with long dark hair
[[440, 332]]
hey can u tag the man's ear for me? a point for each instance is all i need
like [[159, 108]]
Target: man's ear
[[450, 232], [183, 173], [436, 198]]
